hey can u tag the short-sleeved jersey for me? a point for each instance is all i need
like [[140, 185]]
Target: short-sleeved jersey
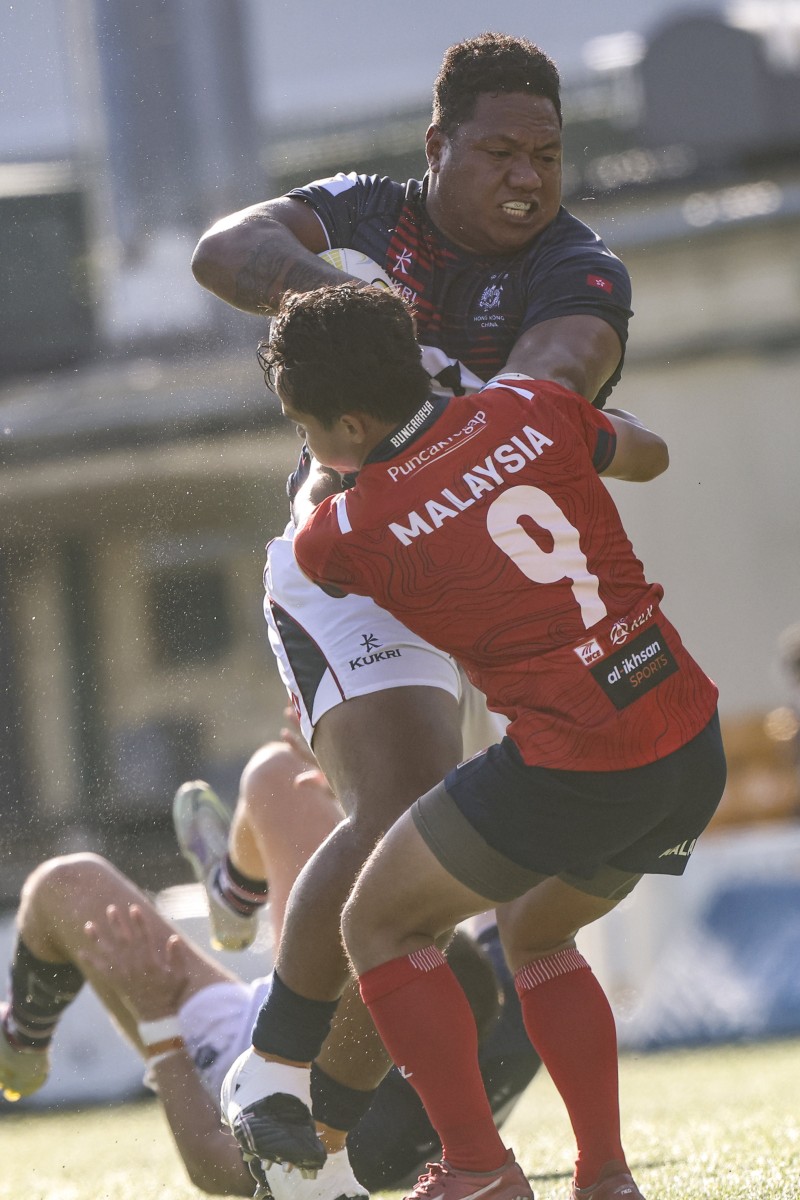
[[496, 541], [470, 309]]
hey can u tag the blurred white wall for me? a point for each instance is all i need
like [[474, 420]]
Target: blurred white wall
[[714, 366], [38, 118], [721, 528]]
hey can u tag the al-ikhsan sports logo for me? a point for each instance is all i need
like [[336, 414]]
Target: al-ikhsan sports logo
[[635, 669]]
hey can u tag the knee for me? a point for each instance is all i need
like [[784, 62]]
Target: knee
[[359, 926], [505, 931], [372, 813], [55, 878], [522, 944], [371, 928], [350, 921], [268, 776]]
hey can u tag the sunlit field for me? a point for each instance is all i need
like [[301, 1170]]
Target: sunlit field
[[716, 1124]]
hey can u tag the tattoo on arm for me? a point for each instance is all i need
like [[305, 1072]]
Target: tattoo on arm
[[268, 275]]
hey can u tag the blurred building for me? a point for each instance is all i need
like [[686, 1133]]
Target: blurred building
[[144, 464], [136, 500]]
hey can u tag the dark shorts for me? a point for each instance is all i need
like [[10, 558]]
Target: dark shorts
[[500, 826]]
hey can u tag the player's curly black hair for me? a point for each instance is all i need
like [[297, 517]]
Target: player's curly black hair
[[345, 349], [491, 62]]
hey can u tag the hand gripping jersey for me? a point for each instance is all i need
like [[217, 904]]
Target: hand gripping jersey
[[495, 540], [471, 309]]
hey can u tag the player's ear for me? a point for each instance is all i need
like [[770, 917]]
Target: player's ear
[[434, 144], [356, 426]]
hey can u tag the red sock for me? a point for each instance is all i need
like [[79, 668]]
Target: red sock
[[426, 1024], [570, 1023]]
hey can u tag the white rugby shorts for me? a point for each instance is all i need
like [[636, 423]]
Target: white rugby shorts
[[216, 1025], [330, 650]]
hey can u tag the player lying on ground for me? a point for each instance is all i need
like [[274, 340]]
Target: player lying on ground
[[500, 275], [497, 540], [81, 920]]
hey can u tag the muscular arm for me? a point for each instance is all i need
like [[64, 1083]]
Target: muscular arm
[[250, 258], [579, 352], [640, 454]]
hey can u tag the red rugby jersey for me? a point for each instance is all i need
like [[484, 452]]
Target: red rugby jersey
[[496, 541]]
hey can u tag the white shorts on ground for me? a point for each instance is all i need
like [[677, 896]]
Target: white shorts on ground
[[329, 650], [216, 1024]]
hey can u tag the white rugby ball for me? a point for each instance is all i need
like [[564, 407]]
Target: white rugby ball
[[353, 262]]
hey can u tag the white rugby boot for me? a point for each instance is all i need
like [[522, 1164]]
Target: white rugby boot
[[267, 1107]]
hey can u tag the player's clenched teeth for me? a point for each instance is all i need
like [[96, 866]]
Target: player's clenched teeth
[[517, 208]]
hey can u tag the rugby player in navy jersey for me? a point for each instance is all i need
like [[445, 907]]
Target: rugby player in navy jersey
[[481, 522], [500, 276]]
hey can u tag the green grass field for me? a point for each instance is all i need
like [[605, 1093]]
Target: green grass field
[[715, 1124]]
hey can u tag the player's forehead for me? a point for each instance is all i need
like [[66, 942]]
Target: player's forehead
[[291, 413], [516, 117]]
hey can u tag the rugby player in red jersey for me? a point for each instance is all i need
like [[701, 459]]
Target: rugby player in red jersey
[[497, 541], [501, 276]]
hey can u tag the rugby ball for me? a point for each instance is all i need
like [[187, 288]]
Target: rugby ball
[[357, 264]]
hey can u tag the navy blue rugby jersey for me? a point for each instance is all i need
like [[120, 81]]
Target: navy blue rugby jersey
[[470, 309]]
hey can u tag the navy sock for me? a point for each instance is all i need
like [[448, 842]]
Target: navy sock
[[335, 1103], [40, 991], [290, 1025]]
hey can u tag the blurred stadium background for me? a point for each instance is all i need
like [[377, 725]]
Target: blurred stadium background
[[143, 465]]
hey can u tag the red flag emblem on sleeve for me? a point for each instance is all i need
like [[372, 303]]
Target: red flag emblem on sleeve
[[598, 281]]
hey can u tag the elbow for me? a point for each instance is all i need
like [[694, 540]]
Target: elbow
[[653, 464], [660, 459], [220, 253], [207, 261], [649, 462]]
